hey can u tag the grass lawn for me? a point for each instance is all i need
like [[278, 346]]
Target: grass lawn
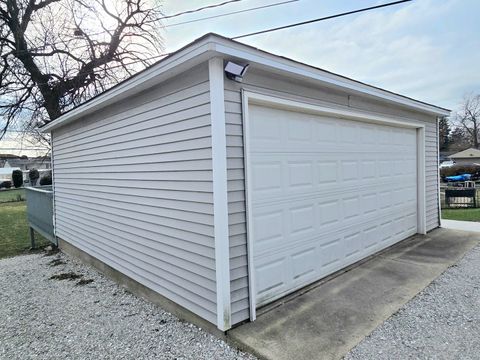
[[11, 195], [14, 233], [461, 214]]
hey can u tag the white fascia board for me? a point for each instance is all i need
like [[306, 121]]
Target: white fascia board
[[174, 65], [304, 71]]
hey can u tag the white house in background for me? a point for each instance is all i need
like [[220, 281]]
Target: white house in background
[[224, 192], [40, 163], [6, 174], [469, 156]]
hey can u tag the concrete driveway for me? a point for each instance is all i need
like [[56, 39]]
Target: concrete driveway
[[331, 318]]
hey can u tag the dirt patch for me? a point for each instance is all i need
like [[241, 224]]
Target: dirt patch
[[51, 250], [56, 262], [84, 282], [66, 276]]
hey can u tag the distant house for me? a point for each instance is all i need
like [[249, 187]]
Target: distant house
[[444, 155], [39, 163], [468, 156], [6, 174]]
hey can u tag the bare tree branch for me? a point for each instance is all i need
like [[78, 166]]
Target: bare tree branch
[[468, 118], [55, 54]]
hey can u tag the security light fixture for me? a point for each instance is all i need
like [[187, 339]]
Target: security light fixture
[[235, 71]]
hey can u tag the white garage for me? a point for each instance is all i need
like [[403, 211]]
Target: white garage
[[216, 193]]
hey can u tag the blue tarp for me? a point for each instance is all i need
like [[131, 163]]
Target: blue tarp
[[463, 177]]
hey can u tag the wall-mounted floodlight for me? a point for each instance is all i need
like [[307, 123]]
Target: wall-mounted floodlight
[[235, 72]]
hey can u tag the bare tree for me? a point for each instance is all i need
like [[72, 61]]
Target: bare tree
[[443, 133], [55, 54], [468, 119], [458, 140]]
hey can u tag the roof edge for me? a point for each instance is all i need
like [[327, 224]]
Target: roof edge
[[208, 46], [171, 65], [327, 77]]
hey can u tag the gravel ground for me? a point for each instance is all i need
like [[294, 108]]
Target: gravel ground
[[91, 317], [442, 322], [44, 318]]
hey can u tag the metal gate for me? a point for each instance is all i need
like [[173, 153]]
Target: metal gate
[[40, 212]]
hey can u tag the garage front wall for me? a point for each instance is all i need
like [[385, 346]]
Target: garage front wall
[[134, 189], [271, 84]]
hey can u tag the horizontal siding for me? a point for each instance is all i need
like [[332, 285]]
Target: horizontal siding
[[133, 188], [272, 84]]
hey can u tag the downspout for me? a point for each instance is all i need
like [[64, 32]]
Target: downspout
[[438, 173], [54, 212]]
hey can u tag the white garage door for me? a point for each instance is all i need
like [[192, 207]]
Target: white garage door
[[324, 193]]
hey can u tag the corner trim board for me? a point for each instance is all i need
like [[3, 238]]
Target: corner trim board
[[220, 193]]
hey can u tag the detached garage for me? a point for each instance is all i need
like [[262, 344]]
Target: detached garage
[[222, 188]]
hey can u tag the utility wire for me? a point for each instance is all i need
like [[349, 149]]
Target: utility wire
[[199, 9], [231, 13], [272, 29], [319, 19], [257, 32]]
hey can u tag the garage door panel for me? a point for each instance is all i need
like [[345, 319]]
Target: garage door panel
[[269, 228], [381, 193], [300, 175], [272, 277], [303, 263], [299, 131], [384, 193], [287, 232], [327, 171], [327, 133], [302, 220], [323, 194], [293, 270], [330, 254], [266, 178]]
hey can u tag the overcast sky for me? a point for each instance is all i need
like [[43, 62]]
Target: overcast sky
[[425, 49]]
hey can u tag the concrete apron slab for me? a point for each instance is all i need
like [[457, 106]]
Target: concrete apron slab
[[330, 319], [461, 225]]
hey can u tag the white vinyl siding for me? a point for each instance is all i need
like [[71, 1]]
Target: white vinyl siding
[[133, 188], [271, 84]]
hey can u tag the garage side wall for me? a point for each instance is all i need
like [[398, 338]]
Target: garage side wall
[[133, 188], [271, 84]]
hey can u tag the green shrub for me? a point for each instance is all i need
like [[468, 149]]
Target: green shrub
[[46, 179], [17, 178], [459, 170], [33, 175], [6, 185]]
